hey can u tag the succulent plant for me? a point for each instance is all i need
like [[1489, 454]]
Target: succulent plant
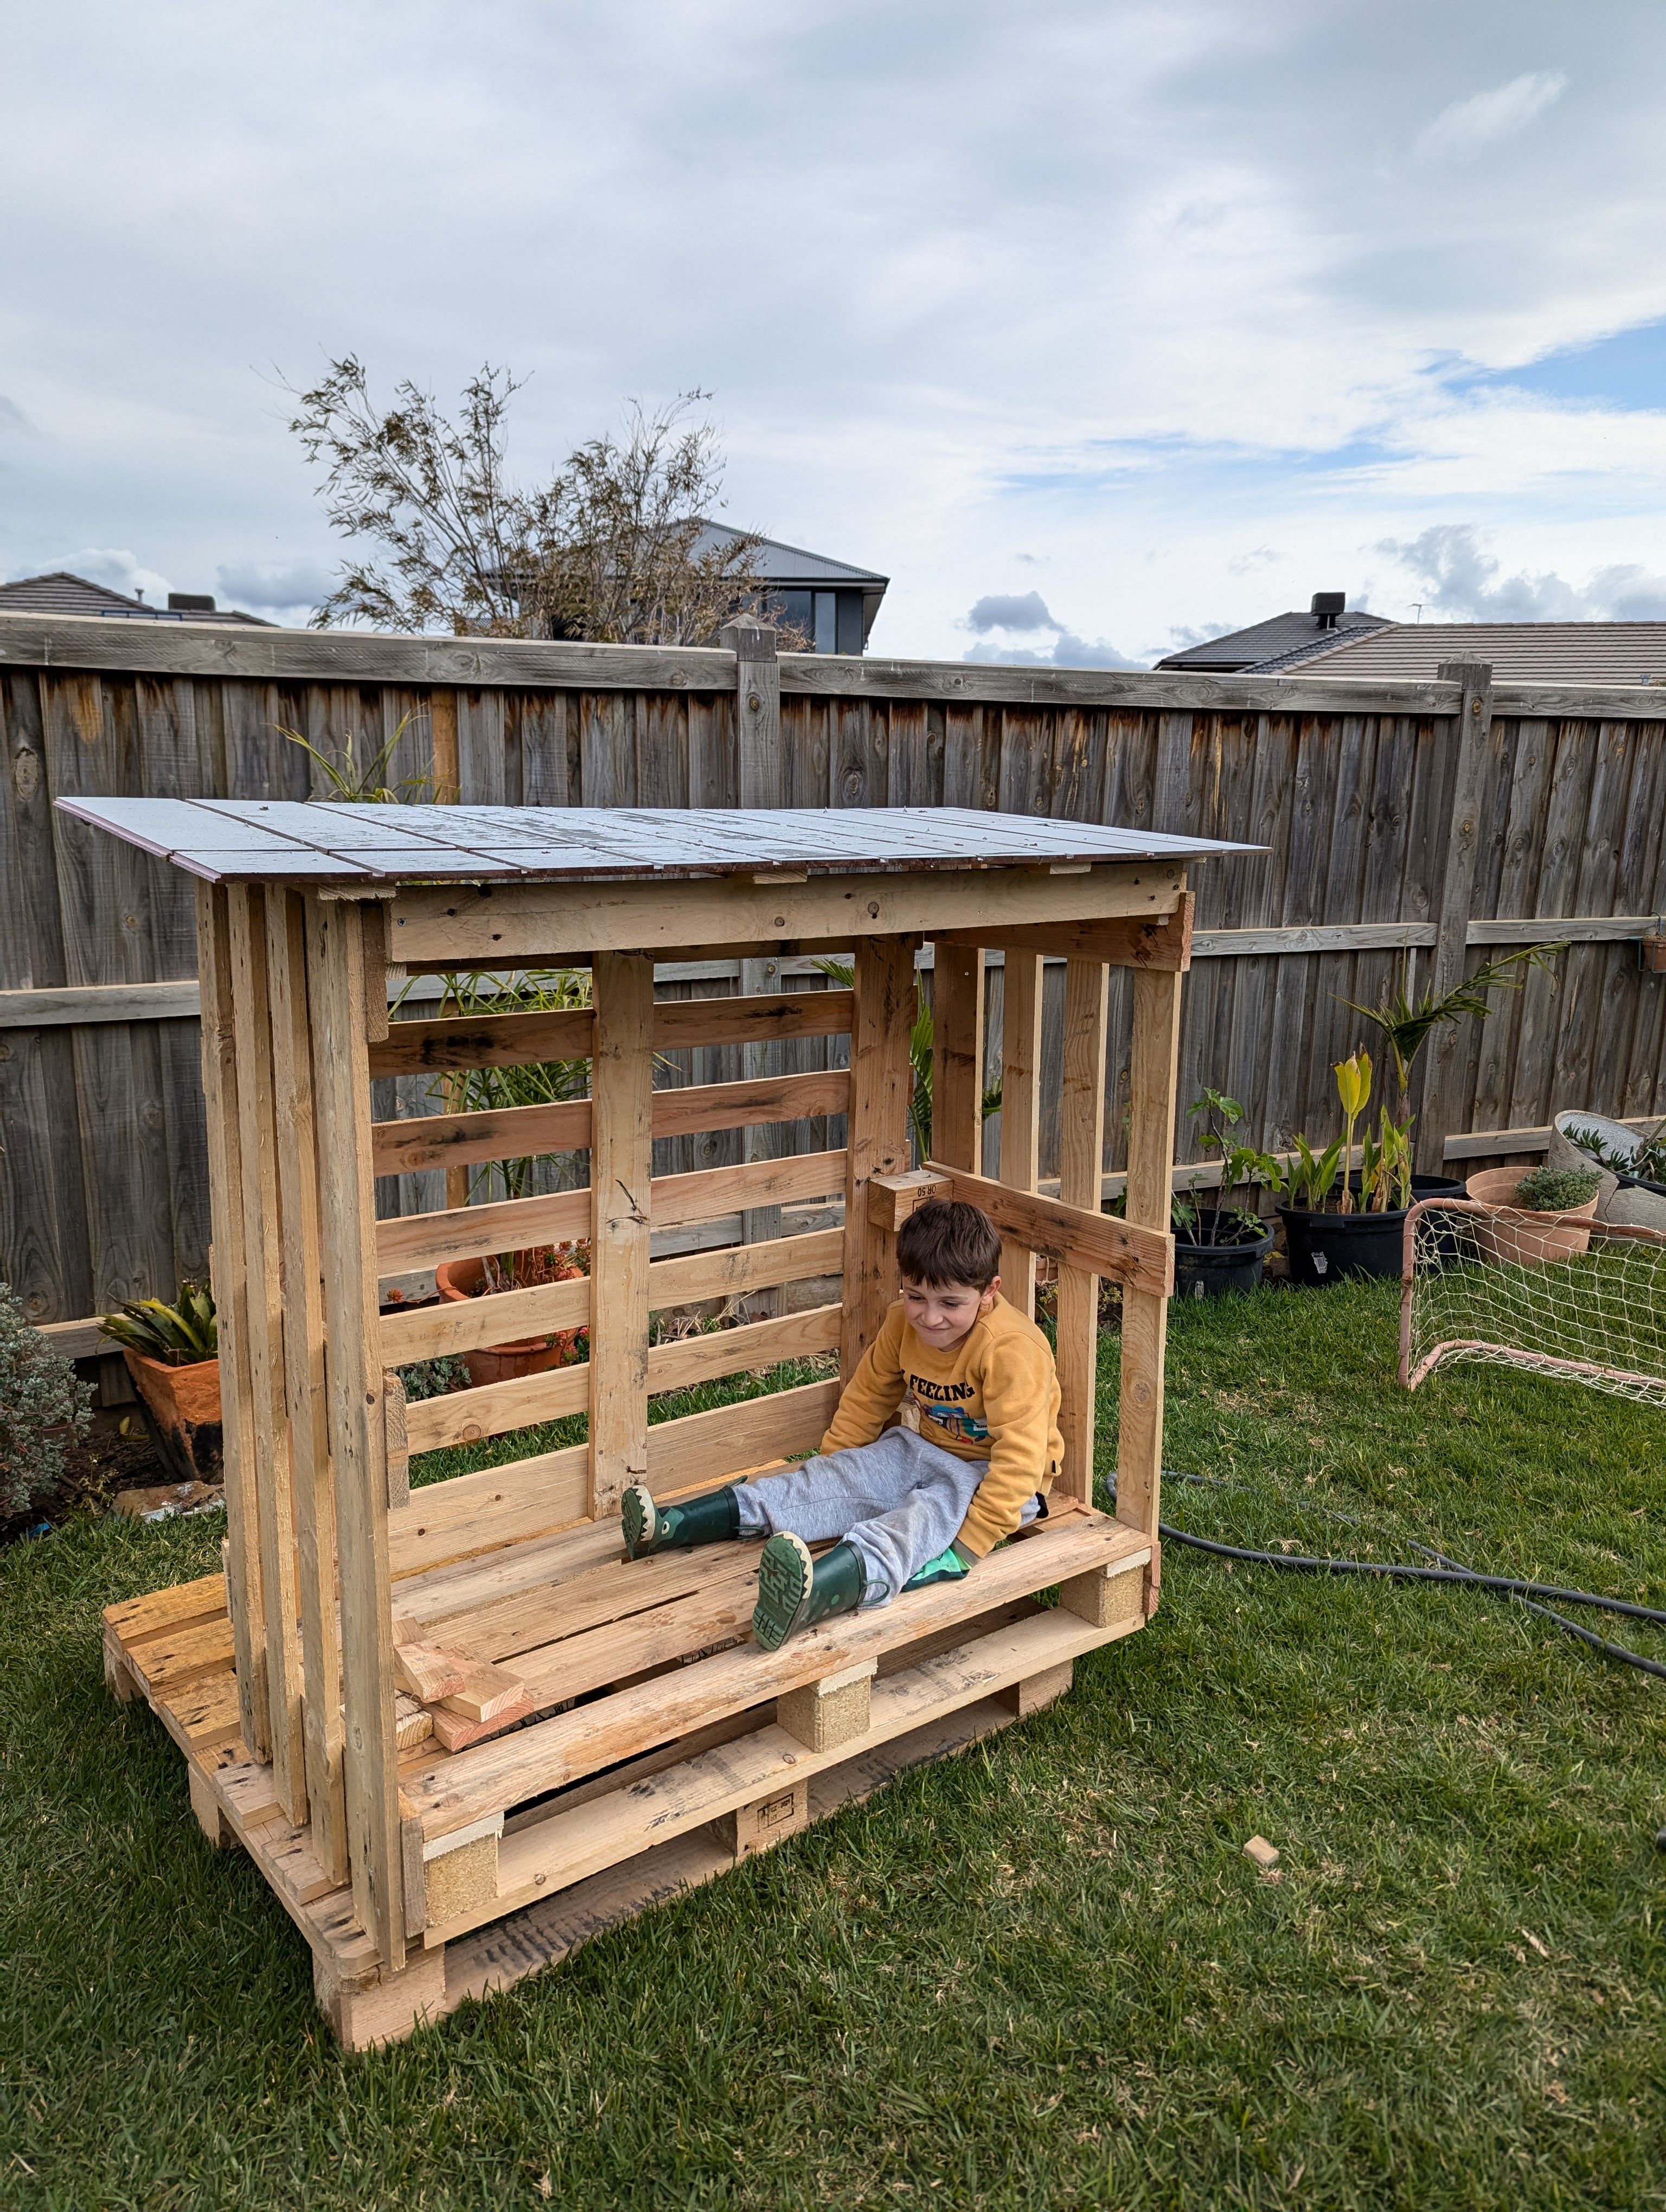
[[181, 1335]]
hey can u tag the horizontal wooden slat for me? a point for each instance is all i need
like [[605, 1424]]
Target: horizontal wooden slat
[[698, 1276], [1571, 929], [731, 1351], [1328, 937], [493, 1409], [405, 1147], [473, 1324], [455, 1141], [518, 920], [464, 1417], [463, 1232], [59, 1006], [710, 1191], [1130, 943], [1141, 1258], [505, 1506], [682, 1023], [493, 1041]]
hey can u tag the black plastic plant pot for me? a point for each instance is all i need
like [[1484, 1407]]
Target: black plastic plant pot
[[1323, 1248], [1210, 1271]]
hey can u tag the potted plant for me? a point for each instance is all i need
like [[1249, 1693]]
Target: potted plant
[[1223, 1248], [1406, 1024], [457, 1280], [1350, 1222], [1535, 1218], [171, 1353]]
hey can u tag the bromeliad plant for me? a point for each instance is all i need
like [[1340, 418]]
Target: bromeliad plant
[[183, 1334]]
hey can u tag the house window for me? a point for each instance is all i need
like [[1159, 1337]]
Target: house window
[[827, 622]]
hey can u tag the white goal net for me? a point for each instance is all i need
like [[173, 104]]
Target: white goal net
[[1581, 1300]]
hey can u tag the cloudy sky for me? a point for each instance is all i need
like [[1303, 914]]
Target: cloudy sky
[[1098, 325]]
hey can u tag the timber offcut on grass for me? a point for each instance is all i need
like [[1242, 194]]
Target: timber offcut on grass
[[620, 1735]]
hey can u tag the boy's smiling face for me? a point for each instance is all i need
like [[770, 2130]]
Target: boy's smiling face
[[940, 1314]]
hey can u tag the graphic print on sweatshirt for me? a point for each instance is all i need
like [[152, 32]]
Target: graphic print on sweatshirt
[[954, 1420]]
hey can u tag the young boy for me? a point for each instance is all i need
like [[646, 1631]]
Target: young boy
[[976, 1454]]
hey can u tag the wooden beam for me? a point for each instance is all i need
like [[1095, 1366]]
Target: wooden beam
[[520, 920], [1153, 1063], [1131, 1253], [878, 1131], [481, 1041], [1020, 1113], [341, 1077], [756, 711], [304, 1397], [957, 1055], [274, 1485], [694, 1108], [622, 1170], [493, 1409], [442, 737], [703, 1357], [1081, 1165], [1436, 1096], [245, 1599], [1135, 942]]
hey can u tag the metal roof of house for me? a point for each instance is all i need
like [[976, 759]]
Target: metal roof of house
[[1520, 653], [1278, 642], [329, 841], [790, 565], [58, 593]]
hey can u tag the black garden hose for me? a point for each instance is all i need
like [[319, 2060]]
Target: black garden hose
[[1525, 1593]]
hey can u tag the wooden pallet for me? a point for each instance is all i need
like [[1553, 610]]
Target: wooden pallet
[[666, 1746]]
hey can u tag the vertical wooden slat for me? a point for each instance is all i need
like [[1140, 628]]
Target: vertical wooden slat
[[1081, 1152], [958, 1056], [245, 1593], [878, 1131], [1153, 1068], [1443, 1070], [442, 725], [341, 1084], [1020, 1110], [620, 1173], [256, 1125], [304, 1376], [757, 711], [761, 1225]]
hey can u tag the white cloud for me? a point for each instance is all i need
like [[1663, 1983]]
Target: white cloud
[[1467, 127], [277, 587], [1027, 613], [1459, 578], [115, 566]]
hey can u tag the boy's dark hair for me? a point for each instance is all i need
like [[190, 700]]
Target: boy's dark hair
[[944, 1242]]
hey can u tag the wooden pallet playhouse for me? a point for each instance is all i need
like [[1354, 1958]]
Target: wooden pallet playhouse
[[652, 1744]]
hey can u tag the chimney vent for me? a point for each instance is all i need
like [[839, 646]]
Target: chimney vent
[[1327, 606], [199, 603]]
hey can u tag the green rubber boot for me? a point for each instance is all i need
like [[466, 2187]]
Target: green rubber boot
[[649, 1528], [795, 1591]]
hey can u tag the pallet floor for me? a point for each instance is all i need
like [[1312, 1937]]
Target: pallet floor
[[664, 1746]]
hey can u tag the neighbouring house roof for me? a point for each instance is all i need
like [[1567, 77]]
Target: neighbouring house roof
[[1281, 641], [790, 566], [1519, 652], [61, 593]]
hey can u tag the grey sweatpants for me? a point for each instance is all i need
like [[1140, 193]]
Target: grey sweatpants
[[897, 1503]]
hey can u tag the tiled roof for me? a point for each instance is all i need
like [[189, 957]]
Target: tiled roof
[[1519, 652], [61, 593], [1274, 641]]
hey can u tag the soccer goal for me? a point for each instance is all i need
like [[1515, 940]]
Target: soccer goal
[[1488, 1284]]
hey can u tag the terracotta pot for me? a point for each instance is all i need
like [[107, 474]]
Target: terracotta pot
[[458, 1281], [184, 1404], [1514, 1236]]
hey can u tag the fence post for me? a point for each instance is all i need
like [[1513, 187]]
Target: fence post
[[758, 712], [1439, 1106]]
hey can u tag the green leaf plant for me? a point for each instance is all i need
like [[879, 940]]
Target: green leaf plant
[[1406, 1024], [922, 1040], [182, 1334], [1241, 1166], [362, 784]]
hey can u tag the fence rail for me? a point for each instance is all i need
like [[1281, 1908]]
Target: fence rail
[[1405, 823]]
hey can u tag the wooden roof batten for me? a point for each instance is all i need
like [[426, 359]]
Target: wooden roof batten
[[335, 844]]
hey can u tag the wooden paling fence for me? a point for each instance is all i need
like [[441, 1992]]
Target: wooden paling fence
[[1407, 826]]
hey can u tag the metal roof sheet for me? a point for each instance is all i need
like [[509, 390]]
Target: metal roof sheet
[[319, 841]]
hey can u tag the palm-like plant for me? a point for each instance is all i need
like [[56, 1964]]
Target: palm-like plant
[[1406, 1023], [922, 1041], [362, 784]]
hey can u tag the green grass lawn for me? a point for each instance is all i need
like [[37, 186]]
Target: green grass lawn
[[1042, 1974]]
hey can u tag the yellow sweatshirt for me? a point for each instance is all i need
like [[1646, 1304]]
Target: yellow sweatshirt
[[992, 1397]]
